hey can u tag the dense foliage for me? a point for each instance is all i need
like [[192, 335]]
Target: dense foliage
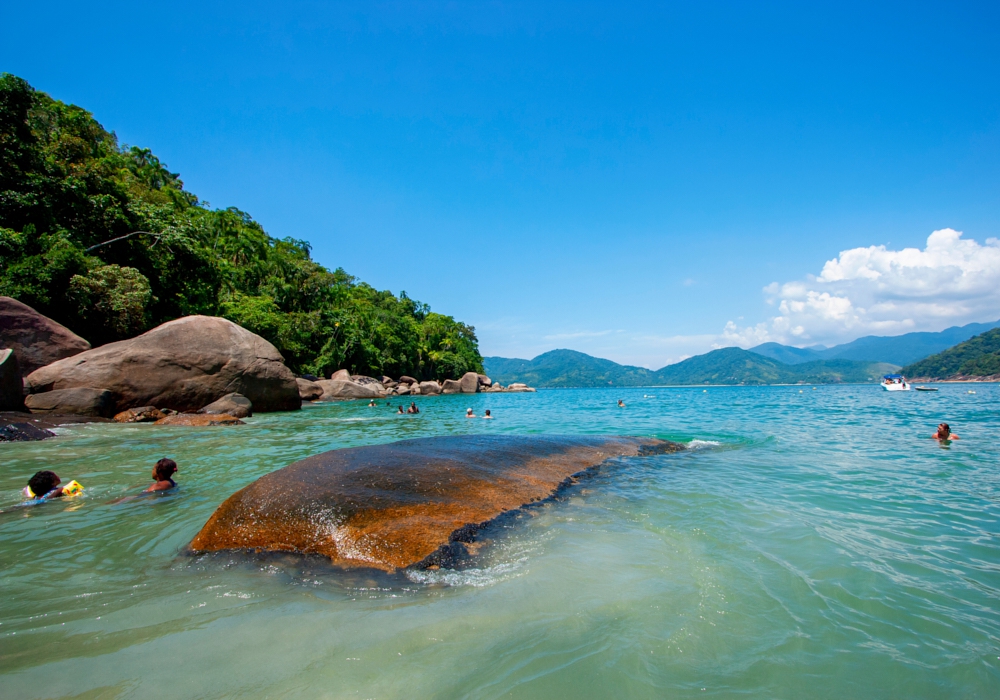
[[566, 368], [105, 239], [976, 357]]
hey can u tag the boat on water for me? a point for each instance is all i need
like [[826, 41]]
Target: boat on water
[[895, 382], [925, 388]]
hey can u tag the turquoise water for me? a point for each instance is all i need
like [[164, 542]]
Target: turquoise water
[[812, 543]]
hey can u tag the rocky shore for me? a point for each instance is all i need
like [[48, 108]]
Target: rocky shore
[[343, 386]]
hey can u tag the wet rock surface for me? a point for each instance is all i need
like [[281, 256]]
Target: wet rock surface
[[232, 405], [82, 400], [415, 503], [199, 420], [142, 414]]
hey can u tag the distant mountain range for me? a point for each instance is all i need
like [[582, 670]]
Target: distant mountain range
[[862, 360], [568, 368], [975, 358], [896, 349]]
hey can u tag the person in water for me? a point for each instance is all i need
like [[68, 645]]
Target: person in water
[[469, 413], [413, 408], [162, 473], [371, 404], [944, 433], [400, 410], [44, 484], [621, 404], [487, 414]]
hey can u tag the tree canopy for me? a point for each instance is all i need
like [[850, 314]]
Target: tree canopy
[[976, 357], [104, 238]]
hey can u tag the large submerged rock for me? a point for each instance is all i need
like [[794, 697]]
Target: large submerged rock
[[36, 340], [406, 504], [182, 365]]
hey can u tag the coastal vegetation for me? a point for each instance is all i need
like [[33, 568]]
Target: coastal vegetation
[[567, 368], [975, 358], [104, 239]]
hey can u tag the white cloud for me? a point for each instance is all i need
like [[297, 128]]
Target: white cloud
[[873, 290]]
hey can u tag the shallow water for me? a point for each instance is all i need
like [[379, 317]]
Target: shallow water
[[810, 544]]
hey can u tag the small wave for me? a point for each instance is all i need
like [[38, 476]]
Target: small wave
[[702, 444], [477, 578]]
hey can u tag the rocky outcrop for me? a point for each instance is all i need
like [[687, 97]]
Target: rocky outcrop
[[199, 420], [371, 382], [340, 390], [23, 432], [142, 414], [407, 380], [36, 340], [429, 388], [308, 391], [11, 384], [403, 389], [484, 380], [469, 383], [341, 375], [519, 387], [183, 365], [81, 400], [232, 405], [415, 503], [451, 386]]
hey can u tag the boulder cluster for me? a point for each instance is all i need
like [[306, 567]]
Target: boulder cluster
[[343, 386]]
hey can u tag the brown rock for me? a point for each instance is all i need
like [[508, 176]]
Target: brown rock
[[339, 390], [368, 381], [519, 387], [199, 420], [81, 400], [230, 405], [11, 384], [404, 389], [183, 365], [414, 503], [341, 375], [484, 380], [308, 391], [407, 380], [469, 383], [143, 414], [427, 388], [36, 340], [451, 386]]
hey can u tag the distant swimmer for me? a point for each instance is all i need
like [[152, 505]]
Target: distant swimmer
[[400, 410], [413, 408], [44, 485], [469, 413], [372, 404], [621, 404], [487, 415], [944, 433], [163, 472]]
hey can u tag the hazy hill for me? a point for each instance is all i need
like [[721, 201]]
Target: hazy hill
[[896, 349], [976, 357], [567, 368]]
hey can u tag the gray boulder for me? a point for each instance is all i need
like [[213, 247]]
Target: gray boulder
[[341, 375], [407, 380], [484, 380], [83, 401], [339, 390], [233, 404], [11, 384], [368, 381], [519, 387], [308, 391], [404, 389], [469, 382], [428, 388], [183, 365], [451, 386], [36, 340]]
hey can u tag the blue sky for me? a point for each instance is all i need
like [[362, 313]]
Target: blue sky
[[641, 183]]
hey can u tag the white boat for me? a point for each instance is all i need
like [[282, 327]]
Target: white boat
[[895, 382]]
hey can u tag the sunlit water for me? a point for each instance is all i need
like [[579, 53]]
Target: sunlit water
[[813, 543]]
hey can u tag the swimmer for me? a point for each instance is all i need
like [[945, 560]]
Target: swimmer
[[944, 433], [372, 404], [469, 413], [413, 408], [487, 415], [621, 404], [162, 473], [400, 411], [42, 485]]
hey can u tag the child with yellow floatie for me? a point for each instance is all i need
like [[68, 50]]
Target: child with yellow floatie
[[45, 484]]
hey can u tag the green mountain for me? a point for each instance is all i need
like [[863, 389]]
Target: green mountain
[[103, 238], [976, 357], [567, 368], [896, 349]]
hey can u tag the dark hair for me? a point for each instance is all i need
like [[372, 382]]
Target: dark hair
[[164, 469], [945, 426], [42, 482]]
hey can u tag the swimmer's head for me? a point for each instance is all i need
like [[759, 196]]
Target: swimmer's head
[[43, 482], [164, 469], [943, 429], [468, 411], [487, 411]]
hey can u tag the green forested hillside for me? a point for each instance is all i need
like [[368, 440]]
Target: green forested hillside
[[106, 240], [566, 368], [976, 357]]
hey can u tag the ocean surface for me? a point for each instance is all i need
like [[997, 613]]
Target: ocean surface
[[811, 543]]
